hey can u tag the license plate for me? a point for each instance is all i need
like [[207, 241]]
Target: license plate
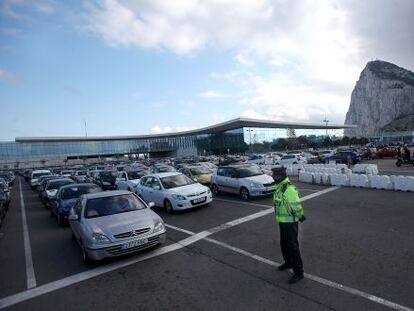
[[134, 243], [199, 200]]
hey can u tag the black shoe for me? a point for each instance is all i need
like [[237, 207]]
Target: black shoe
[[285, 266], [295, 278]]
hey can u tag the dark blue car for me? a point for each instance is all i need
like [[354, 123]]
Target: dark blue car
[[346, 157], [66, 198]]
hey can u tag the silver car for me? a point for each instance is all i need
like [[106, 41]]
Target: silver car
[[248, 180], [113, 223]]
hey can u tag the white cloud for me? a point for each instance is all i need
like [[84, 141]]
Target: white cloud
[[312, 51], [168, 129], [212, 94], [9, 76]]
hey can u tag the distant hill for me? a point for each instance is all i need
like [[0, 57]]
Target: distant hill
[[382, 100]]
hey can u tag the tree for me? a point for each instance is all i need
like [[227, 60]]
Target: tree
[[345, 140], [280, 144], [327, 142]]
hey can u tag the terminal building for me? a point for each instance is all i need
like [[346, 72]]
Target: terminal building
[[233, 136]]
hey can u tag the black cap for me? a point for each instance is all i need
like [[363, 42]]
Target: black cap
[[279, 171]]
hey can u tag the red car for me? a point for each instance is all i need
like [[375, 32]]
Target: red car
[[387, 153]]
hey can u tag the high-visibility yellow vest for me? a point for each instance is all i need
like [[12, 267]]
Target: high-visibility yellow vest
[[286, 202]]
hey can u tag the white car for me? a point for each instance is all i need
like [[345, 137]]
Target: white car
[[325, 154], [34, 178], [248, 180], [290, 159], [128, 180], [173, 191]]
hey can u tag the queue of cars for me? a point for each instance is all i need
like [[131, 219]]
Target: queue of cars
[[6, 182], [108, 206]]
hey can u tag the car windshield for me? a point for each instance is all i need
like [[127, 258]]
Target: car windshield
[[37, 175], [176, 181], [199, 170], [76, 191], [248, 171], [112, 205], [107, 175], [58, 183], [135, 175]]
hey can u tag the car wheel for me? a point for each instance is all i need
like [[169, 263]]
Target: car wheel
[[244, 193], [168, 206], [85, 257], [215, 189], [59, 220]]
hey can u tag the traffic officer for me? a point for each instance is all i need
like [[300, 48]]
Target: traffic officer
[[288, 212]]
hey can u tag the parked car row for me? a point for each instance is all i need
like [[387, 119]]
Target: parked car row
[[6, 182]]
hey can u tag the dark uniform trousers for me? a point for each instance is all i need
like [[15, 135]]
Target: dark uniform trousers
[[290, 246]]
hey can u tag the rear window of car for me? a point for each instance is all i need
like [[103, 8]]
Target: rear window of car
[[112, 205], [136, 175], [37, 175], [57, 184], [76, 191], [176, 181]]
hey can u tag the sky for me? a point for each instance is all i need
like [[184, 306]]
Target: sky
[[154, 66]]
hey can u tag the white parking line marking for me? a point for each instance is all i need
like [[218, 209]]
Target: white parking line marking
[[303, 199], [195, 237], [76, 278], [317, 279], [30, 274]]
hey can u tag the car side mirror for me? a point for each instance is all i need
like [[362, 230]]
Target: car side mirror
[[73, 217], [151, 204]]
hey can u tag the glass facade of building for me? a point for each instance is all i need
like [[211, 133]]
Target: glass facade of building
[[230, 141]]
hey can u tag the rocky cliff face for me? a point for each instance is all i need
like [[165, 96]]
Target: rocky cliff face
[[382, 100]]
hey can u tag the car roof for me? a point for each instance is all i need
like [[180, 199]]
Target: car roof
[[78, 185], [105, 194], [59, 179], [241, 165], [166, 174]]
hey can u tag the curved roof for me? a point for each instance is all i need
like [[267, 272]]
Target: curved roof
[[220, 127]]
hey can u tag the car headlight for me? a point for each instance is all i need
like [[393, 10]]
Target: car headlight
[[159, 226], [179, 197], [100, 237], [254, 185], [51, 193]]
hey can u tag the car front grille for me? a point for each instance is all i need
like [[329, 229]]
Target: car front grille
[[196, 194], [131, 233], [117, 250], [269, 184]]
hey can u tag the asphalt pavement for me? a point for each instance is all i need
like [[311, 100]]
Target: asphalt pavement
[[357, 248]]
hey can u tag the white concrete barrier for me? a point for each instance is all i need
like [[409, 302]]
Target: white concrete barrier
[[359, 180], [306, 177], [381, 182], [403, 183], [339, 180], [365, 169], [318, 178]]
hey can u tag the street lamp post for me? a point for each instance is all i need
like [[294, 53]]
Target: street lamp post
[[250, 139], [326, 121]]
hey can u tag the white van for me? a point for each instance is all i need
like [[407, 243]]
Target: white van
[[34, 178]]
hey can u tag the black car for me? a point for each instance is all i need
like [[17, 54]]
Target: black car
[[106, 180], [345, 157]]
